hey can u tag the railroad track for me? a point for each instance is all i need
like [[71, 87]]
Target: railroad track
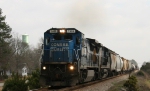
[[88, 84], [77, 86]]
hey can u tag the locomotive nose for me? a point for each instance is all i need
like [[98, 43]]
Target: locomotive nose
[[61, 51]]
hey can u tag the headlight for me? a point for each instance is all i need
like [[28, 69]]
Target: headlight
[[44, 67], [62, 31], [71, 67]]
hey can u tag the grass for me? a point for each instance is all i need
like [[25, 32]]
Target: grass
[[143, 84]]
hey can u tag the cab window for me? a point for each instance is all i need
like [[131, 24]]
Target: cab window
[[68, 37], [47, 41], [77, 40], [57, 37]]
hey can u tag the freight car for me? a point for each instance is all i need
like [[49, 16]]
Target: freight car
[[69, 58]]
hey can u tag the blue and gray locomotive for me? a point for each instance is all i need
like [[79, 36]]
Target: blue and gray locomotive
[[69, 58]]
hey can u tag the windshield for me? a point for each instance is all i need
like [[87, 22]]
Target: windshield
[[57, 37], [68, 37]]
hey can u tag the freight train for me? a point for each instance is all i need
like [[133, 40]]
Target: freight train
[[69, 58]]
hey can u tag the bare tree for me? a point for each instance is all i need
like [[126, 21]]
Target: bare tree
[[18, 52], [23, 53], [38, 53]]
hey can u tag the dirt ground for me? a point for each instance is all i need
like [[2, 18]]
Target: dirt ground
[[1, 88], [1, 85]]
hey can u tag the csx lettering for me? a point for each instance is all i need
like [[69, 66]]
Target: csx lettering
[[59, 44]]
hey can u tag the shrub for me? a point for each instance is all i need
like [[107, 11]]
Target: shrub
[[15, 84], [140, 73], [5, 76], [130, 84], [34, 80], [145, 67]]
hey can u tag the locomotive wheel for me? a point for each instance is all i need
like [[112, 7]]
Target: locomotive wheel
[[95, 76], [73, 82], [100, 75], [83, 76], [113, 73]]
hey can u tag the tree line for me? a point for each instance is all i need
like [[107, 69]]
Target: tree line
[[14, 52]]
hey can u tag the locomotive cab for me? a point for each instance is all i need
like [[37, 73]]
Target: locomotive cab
[[62, 49], [59, 44]]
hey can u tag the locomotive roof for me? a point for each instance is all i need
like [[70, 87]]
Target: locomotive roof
[[95, 42], [64, 29], [111, 50]]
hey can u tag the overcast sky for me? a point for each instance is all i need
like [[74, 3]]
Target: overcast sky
[[121, 25]]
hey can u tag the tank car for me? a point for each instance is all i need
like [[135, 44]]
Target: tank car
[[125, 65], [134, 64], [111, 63]]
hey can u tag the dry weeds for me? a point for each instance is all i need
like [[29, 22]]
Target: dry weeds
[[143, 83]]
